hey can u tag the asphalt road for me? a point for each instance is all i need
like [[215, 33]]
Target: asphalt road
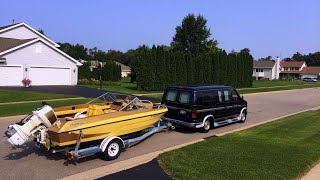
[[29, 162]]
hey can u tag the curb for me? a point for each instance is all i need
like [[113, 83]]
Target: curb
[[48, 100], [313, 174], [10, 118], [135, 161]]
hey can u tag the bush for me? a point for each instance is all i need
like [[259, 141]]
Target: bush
[[158, 68], [97, 82], [110, 72]]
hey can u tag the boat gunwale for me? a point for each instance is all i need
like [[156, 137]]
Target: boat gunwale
[[103, 123]]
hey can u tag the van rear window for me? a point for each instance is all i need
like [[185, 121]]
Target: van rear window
[[184, 97], [171, 95], [179, 96]]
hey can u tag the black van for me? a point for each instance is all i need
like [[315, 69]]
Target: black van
[[203, 107]]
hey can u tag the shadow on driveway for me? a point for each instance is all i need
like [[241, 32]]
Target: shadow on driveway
[[150, 170]]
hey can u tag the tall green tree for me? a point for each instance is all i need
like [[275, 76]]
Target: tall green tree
[[193, 36]]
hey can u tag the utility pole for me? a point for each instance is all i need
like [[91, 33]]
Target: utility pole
[[100, 75]]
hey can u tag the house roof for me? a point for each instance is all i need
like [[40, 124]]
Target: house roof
[[290, 72], [311, 70], [12, 26], [4, 27], [8, 43], [263, 64], [123, 67], [291, 63]]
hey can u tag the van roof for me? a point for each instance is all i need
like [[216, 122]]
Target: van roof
[[200, 87]]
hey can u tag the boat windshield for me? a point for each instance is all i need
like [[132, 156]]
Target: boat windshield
[[123, 100]]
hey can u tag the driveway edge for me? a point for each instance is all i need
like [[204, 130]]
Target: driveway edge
[[132, 162], [47, 100]]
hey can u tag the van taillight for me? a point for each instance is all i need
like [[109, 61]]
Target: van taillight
[[194, 113]]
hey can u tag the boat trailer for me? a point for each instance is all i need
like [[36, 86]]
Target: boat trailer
[[111, 146]]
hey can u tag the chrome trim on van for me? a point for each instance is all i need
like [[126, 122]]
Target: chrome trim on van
[[183, 123]]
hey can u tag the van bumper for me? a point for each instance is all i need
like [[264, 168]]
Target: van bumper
[[183, 123]]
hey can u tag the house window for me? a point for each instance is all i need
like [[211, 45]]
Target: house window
[[286, 69], [259, 70]]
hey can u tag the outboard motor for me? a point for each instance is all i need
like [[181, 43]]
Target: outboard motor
[[39, 120]]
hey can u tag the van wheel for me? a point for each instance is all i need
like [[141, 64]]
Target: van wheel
[[243, 117], [112, 150], [207, 126]]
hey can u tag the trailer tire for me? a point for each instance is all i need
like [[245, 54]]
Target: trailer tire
[[113, 150]]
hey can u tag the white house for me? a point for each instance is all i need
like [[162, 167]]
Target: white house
[[125, 70], [27, 54], [266, 69]]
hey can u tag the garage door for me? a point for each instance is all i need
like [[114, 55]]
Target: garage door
[[50, 76], [10, 75]]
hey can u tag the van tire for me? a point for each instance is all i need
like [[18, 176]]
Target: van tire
[[206, 126], [243, 117]]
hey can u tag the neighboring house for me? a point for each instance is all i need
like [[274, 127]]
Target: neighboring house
[[292, 69], [266, 69], [311, 71], [27, 54], [287, 69], [125, 70]]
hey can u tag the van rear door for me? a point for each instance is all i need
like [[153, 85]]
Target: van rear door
[[179, 103]]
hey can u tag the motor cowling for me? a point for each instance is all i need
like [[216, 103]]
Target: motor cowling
[[20, 132]]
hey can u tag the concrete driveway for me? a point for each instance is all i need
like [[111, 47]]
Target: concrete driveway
[[29, 162]]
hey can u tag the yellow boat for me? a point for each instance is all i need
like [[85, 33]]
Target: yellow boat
[[109, 115]]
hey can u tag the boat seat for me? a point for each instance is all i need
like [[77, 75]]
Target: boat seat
[[94, 110]]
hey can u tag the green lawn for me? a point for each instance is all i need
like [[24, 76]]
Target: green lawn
[[126, 87], [26, 108], [258, 86], [14, 96], [267, 83], [262, 89], [277, 88], [283, 149]]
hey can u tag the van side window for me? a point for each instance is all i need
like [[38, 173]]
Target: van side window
[[171, 95], [184, 97], [235, 95], [227, 95], [220, 96], [208, 98]]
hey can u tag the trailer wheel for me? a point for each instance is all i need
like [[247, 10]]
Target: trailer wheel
[[112, 150]]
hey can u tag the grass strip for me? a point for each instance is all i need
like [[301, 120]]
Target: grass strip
[[26, 108], [283, 149], [257, 90], [15, 96]]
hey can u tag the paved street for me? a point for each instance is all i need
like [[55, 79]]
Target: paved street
[[29, 162]]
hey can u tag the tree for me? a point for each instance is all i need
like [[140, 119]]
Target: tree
[[193, 36], [41, 31], [77, 51], [268, 58]]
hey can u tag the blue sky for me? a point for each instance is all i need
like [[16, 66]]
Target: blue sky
[[270, 27]]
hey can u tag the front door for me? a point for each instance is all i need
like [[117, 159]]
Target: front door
[[229, 103]]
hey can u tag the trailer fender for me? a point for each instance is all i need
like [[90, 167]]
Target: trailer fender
[[106, 141]]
